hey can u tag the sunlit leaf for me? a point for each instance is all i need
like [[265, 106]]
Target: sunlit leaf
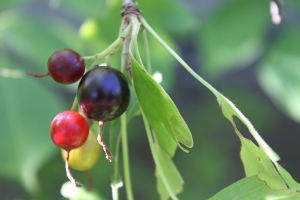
[[253, 188], [229, 110], [164, 117], [288, 178], [256, 162]]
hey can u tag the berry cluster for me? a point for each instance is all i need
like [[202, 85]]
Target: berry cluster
[[103, 95]]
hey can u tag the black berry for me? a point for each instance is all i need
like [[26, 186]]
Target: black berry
[[103, 94]]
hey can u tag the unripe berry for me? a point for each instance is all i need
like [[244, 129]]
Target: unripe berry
[[85, 157]]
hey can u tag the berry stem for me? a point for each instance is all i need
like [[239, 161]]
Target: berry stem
[[75, 104], [69, 174], [146, 44], [111, 49], [102, 143], [38, 75], [126, 166], [90, 180]]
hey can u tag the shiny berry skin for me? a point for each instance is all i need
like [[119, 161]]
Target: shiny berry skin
[[69, 130], [103, 94], [85, 157], [66, 66]]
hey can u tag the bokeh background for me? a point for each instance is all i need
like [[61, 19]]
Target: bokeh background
[[233, 44]]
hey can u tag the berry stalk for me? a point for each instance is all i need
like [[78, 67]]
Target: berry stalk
[[127, 178], [102, 143], [90, 180], [38, 75], [68, 171]]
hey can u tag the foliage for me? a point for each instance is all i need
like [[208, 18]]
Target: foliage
[[233, 37]]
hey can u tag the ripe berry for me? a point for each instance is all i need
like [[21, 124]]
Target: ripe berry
[[103, 94], [69, 130], [64, 66]]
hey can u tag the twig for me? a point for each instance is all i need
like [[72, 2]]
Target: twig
[[125, 55]]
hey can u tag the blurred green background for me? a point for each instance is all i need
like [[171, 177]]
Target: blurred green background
[[231, 43]]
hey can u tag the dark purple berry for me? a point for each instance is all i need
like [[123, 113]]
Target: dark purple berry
[[103, 94]]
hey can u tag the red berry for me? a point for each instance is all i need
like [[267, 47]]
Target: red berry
[[69, 130], [66, 66]]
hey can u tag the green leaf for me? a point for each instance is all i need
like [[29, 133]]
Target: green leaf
[[170, 173], [133, 109], [265, 157], [233, 36], [279, 72], [253, 188], [27, 109], [256, 162], [161, 112], [288, 178], [229, 110]]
